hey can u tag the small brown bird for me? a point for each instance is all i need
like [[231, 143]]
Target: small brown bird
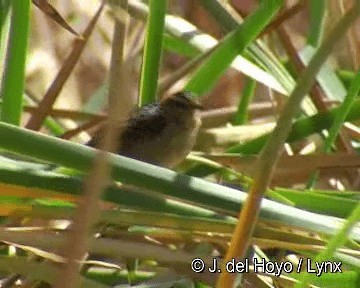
[[161, 133]]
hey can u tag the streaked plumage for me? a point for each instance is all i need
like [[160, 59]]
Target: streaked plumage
[[161, 133]]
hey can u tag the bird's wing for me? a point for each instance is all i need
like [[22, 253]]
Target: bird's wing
[[147, 124]]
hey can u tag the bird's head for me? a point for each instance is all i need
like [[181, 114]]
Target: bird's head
[[181, 102]]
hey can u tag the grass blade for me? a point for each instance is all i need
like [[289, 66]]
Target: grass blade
[[207, 75], [152, 51], [248, 93], [337, 241], [13, 81], [273, 147], [192, 190], [317, 16], [341, 114]]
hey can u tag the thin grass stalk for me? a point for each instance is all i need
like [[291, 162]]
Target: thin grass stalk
[[54, 127], [168, 81], [317, 16], [301, 128], [4, 11], [199, 41], [13, 81], [335, 242], [316, 92], [168, 183], [179, 46], [152, 52], [206, 76], [46, 103], [218, 12], [16, 182], [241, 115], [273, 148], [341, 114], [352, 40], [257, 50], [88, 210]]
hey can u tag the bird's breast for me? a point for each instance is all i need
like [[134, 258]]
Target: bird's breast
[[169, 147]]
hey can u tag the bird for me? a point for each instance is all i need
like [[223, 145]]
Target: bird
[[161, 133]]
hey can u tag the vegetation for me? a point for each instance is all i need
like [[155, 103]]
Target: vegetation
[[273, 178]]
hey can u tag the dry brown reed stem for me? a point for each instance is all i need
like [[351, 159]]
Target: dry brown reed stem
[[88, 210], [272, 150], [56, 86]]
